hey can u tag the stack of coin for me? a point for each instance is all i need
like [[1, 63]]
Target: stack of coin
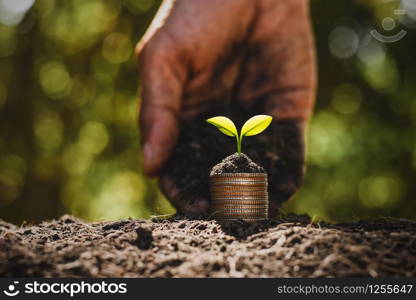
[[239, 196]]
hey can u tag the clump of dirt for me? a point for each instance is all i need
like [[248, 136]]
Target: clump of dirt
[[290, 246], [236, 163]]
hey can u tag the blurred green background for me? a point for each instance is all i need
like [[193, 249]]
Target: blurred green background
[[68, 100]]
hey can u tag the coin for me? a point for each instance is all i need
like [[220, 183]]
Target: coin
[[240, 216], [237, 175], [248, 220], [239, 196]]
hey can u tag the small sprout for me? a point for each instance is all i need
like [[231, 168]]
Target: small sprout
[[253, 126]]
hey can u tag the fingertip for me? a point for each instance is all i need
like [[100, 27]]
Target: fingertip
[[160, 140], [148, 167], [153, 159]]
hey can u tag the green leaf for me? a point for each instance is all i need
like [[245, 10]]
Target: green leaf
[[224, 124], [256, 125]]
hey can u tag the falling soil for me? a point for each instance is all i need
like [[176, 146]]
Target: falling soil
[[290, 246], [236, 163]]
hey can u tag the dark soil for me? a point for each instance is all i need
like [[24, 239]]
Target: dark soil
[[236, 163], [290, 246]]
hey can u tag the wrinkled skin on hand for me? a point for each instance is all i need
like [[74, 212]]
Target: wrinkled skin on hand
[[235, 58]]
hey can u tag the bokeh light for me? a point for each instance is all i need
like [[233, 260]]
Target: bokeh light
[[12, 11], [343, 42]]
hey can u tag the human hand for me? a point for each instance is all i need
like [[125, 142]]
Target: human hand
[[203, 56]]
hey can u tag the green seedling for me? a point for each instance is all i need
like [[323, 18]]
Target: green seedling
[[252, 126]]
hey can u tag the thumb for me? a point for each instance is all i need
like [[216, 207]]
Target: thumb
[[161, 81]]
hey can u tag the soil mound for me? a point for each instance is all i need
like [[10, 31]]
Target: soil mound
[[236, 163]]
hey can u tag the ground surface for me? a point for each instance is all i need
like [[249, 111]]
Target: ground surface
[[290, 246]]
